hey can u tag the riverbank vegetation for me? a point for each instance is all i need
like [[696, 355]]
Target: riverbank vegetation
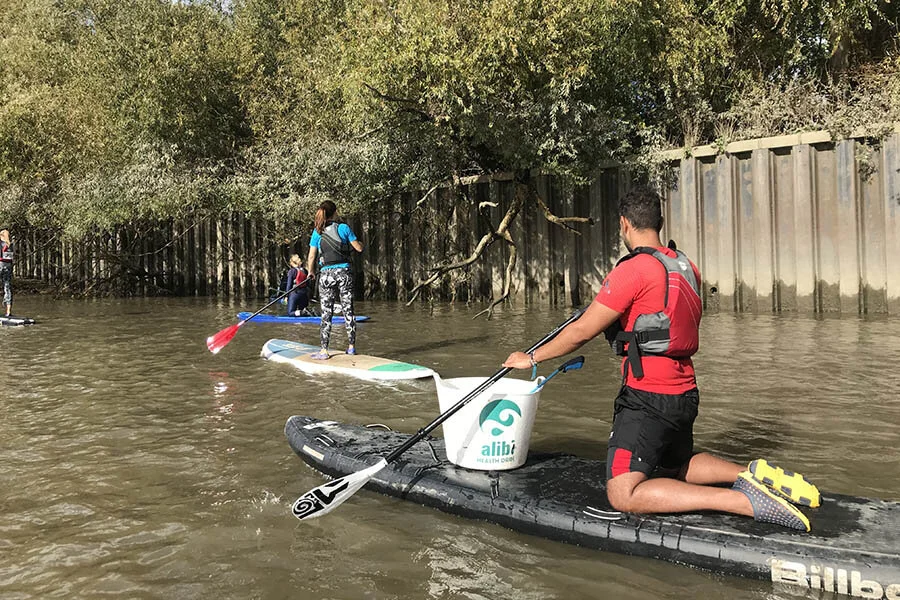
[[129, 113]]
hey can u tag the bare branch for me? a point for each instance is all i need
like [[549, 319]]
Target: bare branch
[[389, 98], [45, 243], [174, 239], [367, 133], [407, 105], [428, 194], [507, 281], [489, 238], [561, 221], [437, 272]]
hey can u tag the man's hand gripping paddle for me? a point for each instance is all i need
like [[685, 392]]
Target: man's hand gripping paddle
[[219, 340], [325, 498]]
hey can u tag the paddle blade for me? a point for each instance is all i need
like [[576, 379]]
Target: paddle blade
[[572, 364], [220, 340], [325, 498]]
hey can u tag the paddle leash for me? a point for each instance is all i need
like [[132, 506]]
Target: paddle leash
[[325, 498], [569, 365], [219, 340]]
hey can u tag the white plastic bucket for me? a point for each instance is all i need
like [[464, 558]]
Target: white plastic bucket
[[492, 432]]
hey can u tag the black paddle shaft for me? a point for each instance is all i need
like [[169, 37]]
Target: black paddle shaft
[[474, 393], [277, 298]]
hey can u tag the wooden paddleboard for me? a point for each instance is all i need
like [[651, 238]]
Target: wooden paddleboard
[[360, 366]]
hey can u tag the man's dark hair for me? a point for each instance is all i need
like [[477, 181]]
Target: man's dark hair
[[643, 207]]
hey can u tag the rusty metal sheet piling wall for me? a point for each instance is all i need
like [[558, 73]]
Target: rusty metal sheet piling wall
[[779, 226], [795, 223]]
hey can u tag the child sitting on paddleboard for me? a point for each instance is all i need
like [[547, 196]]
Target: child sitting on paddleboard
[[298, 299], [332, 243]]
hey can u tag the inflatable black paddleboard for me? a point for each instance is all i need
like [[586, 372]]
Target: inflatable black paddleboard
[[853, 549], [15, 321]]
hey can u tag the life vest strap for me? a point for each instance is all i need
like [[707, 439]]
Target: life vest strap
[[634, 339]]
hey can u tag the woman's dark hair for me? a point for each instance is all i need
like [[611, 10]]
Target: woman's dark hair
[[642, 206], [324, 213]]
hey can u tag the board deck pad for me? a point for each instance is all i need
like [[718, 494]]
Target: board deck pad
[[13, 321], [305, 320], [361, 366], [853, 549]]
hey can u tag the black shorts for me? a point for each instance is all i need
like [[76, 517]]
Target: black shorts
[[651, 431]]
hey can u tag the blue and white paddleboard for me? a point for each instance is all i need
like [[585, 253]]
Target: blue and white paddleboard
[[360, 366], [12, 321], [264, 318]]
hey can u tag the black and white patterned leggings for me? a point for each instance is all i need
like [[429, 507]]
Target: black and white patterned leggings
[[6, 278], [336, 284]]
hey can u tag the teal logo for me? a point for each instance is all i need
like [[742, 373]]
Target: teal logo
[[497, 416]]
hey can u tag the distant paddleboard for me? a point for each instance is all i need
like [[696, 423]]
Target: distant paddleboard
[[335, 320], [360, 366], [15, 321]]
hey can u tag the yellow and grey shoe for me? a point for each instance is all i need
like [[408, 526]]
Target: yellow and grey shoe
[[767, 507], [787, 484]]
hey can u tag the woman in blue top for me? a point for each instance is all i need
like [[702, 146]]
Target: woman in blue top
[[332, 241], [6, 264]]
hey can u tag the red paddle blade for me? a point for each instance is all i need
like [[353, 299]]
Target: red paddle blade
[[220, 340]]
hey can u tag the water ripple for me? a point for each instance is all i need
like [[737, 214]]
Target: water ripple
[[137, 465]]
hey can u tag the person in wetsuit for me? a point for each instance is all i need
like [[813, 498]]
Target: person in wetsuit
[[297, 278]]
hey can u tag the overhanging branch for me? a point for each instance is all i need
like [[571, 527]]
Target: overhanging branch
[[507, 280], [525, 191], [561, 221], [502, 232], [438, 272]]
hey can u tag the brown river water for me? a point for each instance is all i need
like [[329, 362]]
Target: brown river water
[[135, 464]]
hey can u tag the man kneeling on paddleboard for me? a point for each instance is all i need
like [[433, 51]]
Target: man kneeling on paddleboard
[[649, 308]]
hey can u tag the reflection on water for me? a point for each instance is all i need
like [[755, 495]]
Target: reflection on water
[[137, 465]]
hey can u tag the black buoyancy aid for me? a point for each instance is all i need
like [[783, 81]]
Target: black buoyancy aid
[[672, 332], [333, 249], [6, 252]]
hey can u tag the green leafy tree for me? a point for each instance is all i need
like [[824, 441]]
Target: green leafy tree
[[124, 113]]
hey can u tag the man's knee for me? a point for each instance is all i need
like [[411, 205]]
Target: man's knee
[[620, 501], [620, 490]]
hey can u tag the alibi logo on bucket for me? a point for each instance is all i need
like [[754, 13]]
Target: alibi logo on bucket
[[497, 420]]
